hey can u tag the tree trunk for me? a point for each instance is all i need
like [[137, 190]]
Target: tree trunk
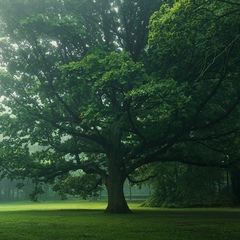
[[116, 175], [235, 182], [116, 199]]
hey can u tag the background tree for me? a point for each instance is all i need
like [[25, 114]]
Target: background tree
[[204, 46], [83, 83], [180, 185]]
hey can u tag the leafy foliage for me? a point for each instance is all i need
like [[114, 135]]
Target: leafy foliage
[[178, 185]]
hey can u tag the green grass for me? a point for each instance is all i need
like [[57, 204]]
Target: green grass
[[85, 220]]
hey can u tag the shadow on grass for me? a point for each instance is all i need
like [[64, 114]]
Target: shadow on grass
[[89, 222]]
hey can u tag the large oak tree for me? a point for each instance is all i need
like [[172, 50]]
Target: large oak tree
[[83, 82]]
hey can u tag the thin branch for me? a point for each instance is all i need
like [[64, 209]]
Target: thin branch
[[214, 136], [211, 148], [202, 105], [220, 118], [143, 180], [91, 168], [230, 2]]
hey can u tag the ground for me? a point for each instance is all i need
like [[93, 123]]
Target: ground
[[86, 220]]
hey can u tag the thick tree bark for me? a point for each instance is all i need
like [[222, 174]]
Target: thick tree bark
[[116, 199], [116, 175]]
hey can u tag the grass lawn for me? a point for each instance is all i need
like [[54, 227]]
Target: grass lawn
[[85, 220]]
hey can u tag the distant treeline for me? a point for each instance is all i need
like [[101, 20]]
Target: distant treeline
[[23, 190]]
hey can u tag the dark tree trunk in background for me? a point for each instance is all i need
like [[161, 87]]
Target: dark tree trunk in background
[[235, 182]]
